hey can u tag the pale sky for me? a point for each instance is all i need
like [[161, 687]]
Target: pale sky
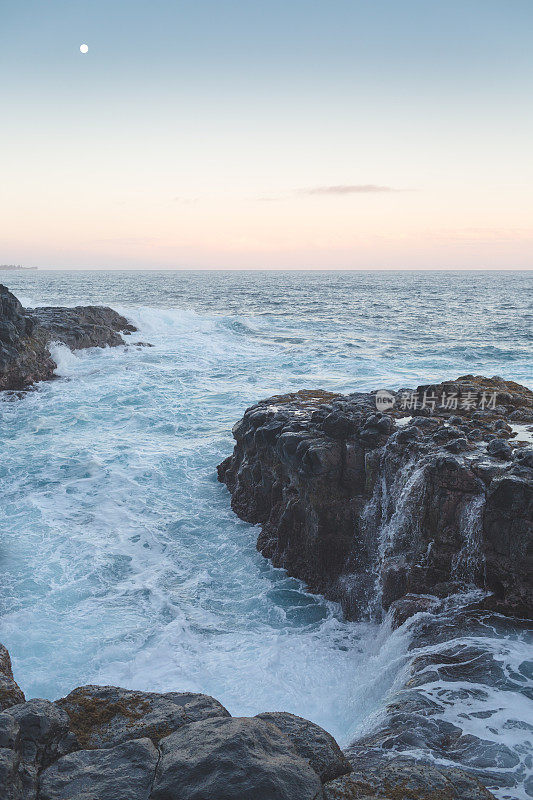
[[274, 133]]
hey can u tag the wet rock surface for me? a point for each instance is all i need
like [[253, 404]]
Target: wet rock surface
[[459, 698], [367, 507], [402, 779], [107, 743], [25, 336]]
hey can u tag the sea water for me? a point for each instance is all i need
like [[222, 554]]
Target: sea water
[[121, 560]]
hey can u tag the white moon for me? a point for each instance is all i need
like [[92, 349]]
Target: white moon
[[84, 48]]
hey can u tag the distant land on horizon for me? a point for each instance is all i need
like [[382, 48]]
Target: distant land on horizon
[[15, 266]]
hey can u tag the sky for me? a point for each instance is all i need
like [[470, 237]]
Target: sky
[[343, 134]]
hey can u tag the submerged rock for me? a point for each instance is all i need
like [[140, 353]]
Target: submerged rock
[[366, 509], [25, 336]]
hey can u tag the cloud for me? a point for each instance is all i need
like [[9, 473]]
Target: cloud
[[357, 188]]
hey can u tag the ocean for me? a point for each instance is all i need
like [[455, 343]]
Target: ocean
[[121, 560]]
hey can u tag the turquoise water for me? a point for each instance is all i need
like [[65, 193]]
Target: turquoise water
[[121, 559]]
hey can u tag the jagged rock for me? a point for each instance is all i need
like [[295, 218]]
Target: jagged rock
[[82, 326], [312, 743], [124, 772], [44, 731], [104, 716], [11, 786], [409, 605], [36, 733], [25, 335], [382, 778], [230, 759], [347, 499], [508, 535], [500, 449], [24, 355], [10, 691]]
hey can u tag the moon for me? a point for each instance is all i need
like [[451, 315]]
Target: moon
[[84, 48]]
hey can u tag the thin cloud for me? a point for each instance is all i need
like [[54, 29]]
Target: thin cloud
[[356, 188]]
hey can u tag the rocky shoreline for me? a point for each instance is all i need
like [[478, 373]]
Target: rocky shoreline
[[107, 743], [26, 335], [419, 516]]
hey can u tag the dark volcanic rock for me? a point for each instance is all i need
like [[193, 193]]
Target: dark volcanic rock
[[311, 742], [25, 336], [24, 355], [44, 732], [83, 326], [379, 778], [349, 500], [103, 716], [107, 743], [228, 759], [124, 772], [10, 692]]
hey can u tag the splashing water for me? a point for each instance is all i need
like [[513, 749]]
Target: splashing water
[[121, 559]]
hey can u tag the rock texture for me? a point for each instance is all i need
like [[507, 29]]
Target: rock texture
[[24, 355], [370, 507], [102, 716], [107, 743], [312, 743], [82, 326], [233, 758], [10, 691], [402, 779], [25, 335]]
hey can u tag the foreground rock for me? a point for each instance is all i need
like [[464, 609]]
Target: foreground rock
[[25, 336], [233, 758], [370, 507], [102, 716], [106, 743]]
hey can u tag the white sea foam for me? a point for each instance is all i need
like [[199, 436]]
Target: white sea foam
[[524, 433], [122, 560]]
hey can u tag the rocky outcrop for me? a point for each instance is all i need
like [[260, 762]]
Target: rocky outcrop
[[116, 744], [82, 326], [24, 355], [25, 336], [10, 691], [428, 497]]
